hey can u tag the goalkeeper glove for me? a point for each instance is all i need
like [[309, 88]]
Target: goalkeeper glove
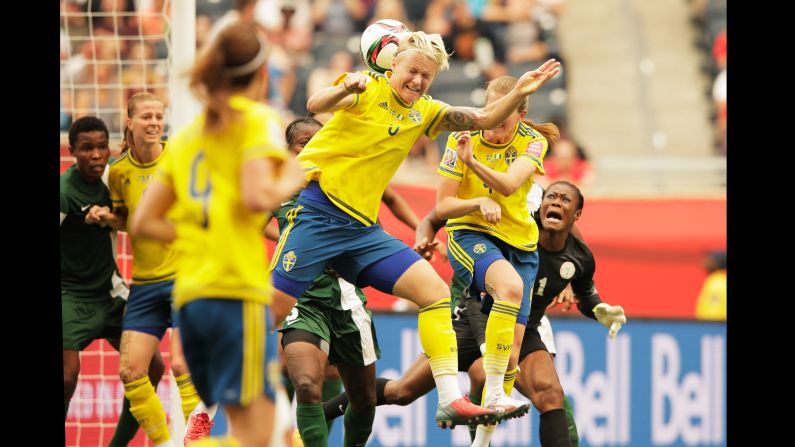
[[612, 317]]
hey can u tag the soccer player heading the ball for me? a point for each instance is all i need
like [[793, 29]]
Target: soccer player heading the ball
[[377, 118]]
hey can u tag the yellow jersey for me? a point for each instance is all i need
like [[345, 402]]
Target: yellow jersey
[[356, 153], [153, 261], [219, 242], [516, 227]]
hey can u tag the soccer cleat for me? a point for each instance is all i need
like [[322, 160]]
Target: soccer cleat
[[463, 412], [199, 426], [507, 407]]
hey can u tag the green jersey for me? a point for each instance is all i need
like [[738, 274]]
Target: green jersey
[[88, 252], [326, 290]]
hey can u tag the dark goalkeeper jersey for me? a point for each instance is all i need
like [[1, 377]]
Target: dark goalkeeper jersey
[[88, 252], [575, 264]]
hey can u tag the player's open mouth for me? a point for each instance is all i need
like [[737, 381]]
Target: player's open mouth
[[554, 216]]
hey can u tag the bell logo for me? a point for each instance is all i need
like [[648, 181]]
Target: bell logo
[[690, 407]]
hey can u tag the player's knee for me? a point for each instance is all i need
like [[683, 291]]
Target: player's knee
[[69, 383], [308, 388], [547, 395], [511, 291], [178, 366], [260, 439], [404, 396], [128, 373], [432, 292], [362, 402]]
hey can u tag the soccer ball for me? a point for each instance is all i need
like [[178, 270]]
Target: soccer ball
[[379, 43]]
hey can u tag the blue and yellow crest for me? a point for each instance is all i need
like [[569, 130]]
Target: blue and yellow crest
[[415, 116], [510, 155], [288, 261], [479, 248]]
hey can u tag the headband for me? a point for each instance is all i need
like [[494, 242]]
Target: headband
[[251, 65]]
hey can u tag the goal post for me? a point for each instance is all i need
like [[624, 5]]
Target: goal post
[[110, 50]]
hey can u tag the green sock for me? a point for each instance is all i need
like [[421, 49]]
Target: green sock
[[358, 427], [473, 429], [575, 440], [126, 428], [330, 390], [312, 424]]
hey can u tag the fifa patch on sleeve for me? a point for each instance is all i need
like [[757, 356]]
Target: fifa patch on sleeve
[[534, 148], [450, 157]]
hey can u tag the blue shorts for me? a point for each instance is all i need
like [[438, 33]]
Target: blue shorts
[[472, 252], [231, 356], [320, 234], [149, 308]]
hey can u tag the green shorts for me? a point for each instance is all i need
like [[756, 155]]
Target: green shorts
[[84, 321], [349, 335]]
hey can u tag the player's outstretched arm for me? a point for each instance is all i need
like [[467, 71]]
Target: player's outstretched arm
[[505, 183], [489, 117], [338, 96]]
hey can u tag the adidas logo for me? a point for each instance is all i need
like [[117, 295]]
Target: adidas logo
[[383, 105]]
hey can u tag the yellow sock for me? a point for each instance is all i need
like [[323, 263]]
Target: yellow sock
[[509, 379], [226, 441], [147, 409], [438, 340], [507, 383], [499, 343], [188, 394], [438, 337]]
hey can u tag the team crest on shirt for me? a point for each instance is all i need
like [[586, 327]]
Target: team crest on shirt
[[450, 157], [567, 270], [479, 248], [288, 261], [510, 155], [534, 148], [415, 116]]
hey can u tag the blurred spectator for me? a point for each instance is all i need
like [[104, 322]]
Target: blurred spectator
[[524, 38], [392, 9], [438, 19], [719, 100], [118, 23], [321, 77], [711, 303], [289, 22], [567, 161], [719, 51], [153, 14], [75, 26], [141, 73], [339, 18], [554, 7]]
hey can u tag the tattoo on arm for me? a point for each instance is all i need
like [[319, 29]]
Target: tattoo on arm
[[458, 118]]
